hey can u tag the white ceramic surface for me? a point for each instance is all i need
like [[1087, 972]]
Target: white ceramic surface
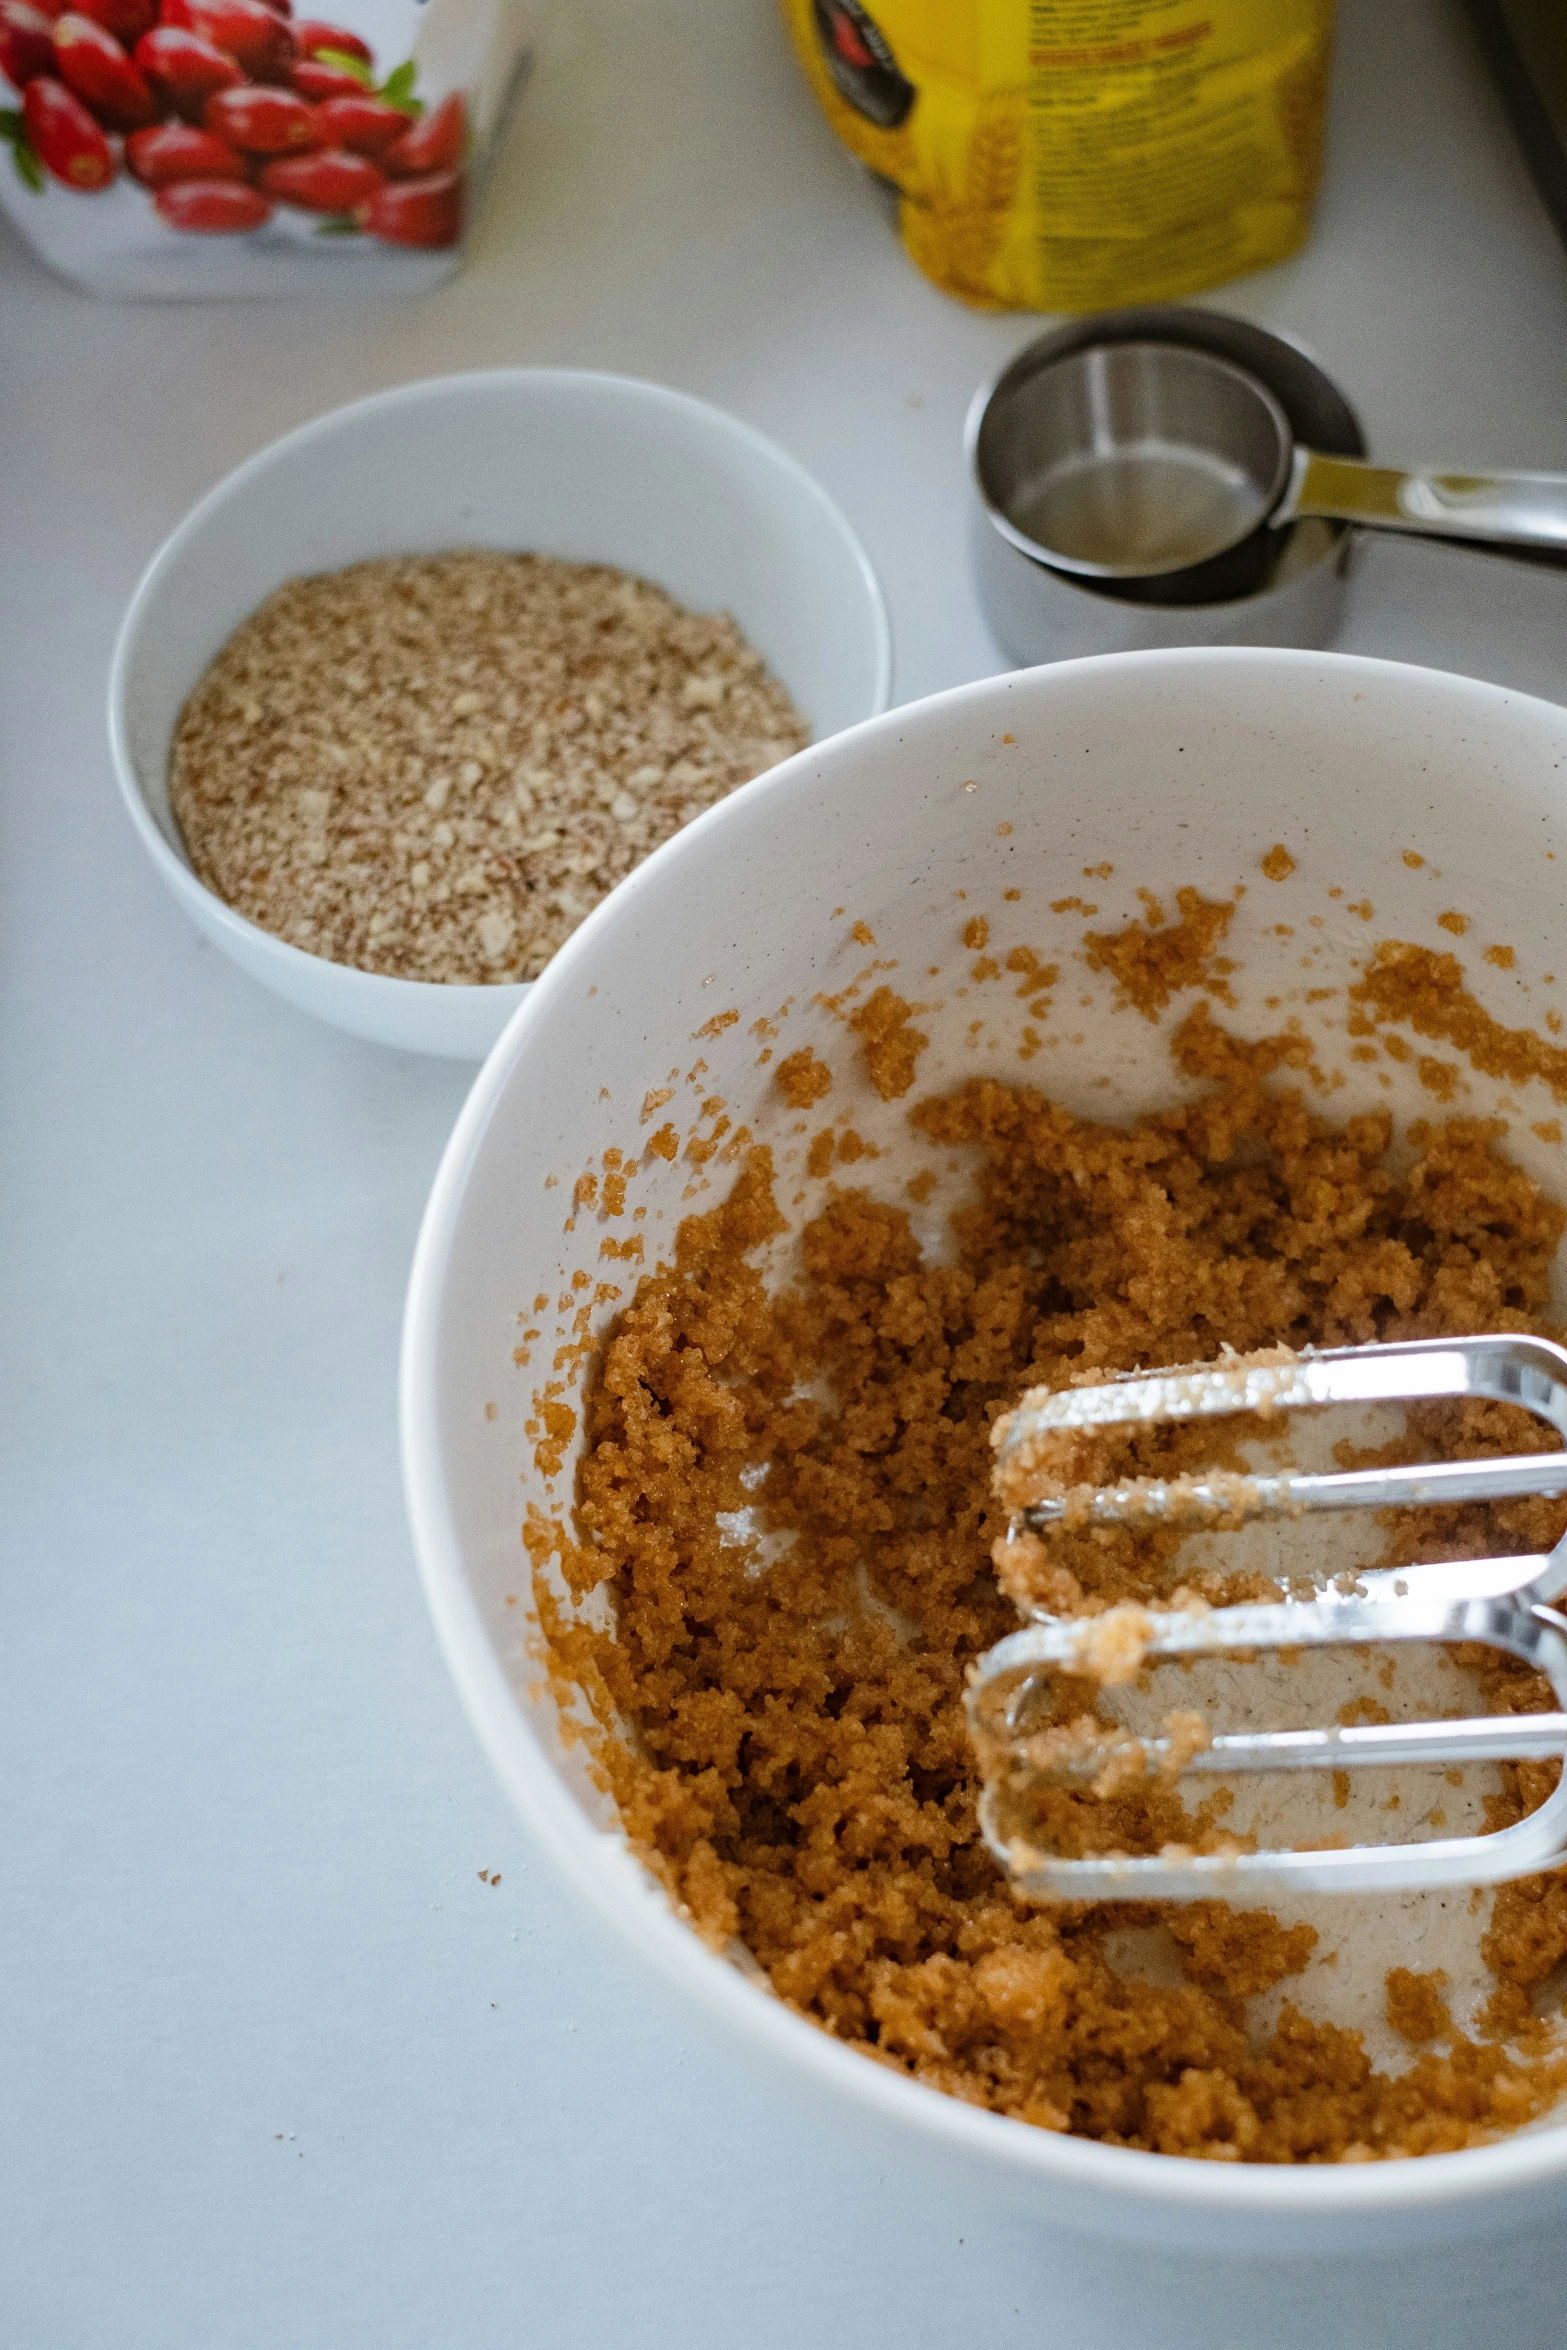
[[596, 468], [1178, 767]]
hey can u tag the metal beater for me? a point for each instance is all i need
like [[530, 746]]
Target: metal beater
[[1507, 1603]]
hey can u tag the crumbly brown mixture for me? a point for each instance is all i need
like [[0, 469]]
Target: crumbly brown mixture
[[799, 1769], [434, 766], [1278, 864], [1415, 2006], [891, 1048], [1152, 960], [1113, 1645], [804, 1078], [1426, 991]]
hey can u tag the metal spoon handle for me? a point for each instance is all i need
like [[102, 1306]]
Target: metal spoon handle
[[1495, 509]]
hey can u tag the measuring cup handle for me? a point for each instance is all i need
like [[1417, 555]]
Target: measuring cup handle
[[1493, 509]]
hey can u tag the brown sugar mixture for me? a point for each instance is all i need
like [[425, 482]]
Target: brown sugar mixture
[[434, 766], [1410, 983], [1153, 960], [891, 1047], [785, 1496], [803, 1078]]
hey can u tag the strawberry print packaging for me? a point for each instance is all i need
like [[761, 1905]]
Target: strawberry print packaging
[[200, 148]]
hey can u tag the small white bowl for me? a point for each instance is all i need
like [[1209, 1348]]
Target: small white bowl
[[1170, 767], [594, 468]]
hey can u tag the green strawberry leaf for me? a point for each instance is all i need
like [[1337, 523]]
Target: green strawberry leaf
[[23, 154], [346, 64], [341, 224], [398, 89]]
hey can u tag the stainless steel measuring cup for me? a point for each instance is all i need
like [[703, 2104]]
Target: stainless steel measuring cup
[[1039, 612], [1156, 468]]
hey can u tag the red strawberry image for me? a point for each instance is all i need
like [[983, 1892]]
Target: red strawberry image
[[92, 62], [424, 212], [27, 45], [173, 151], [263, 122], [365, 125], [127, 20], [273, 113], [329, 182], [435, 144], [184, 69], [314, 78], [67, 141], [313, 37], [212, 208], [253, 36]]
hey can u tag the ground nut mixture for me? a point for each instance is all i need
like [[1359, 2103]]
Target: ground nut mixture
[[434, 766], [799, 1769]]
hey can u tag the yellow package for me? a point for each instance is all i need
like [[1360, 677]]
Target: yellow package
[[1078, 154]]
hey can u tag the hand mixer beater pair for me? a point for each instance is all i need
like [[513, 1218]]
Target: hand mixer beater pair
[[1509, 1604]]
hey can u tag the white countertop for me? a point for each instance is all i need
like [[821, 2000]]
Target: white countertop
[[276, 2066]]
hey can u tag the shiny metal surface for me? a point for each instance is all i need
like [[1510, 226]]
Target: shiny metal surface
[[1502, 1603], [1134, 460], [1288, 588], [1487, 509], [1157, 466], [1525, 1371], [1507, 1738], [1038, 614]]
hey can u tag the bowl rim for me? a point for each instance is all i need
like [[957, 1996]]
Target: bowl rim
[[249, 938], [598, 1865]]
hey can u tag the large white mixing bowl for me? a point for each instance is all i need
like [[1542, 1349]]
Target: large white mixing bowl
[[1174, 767]]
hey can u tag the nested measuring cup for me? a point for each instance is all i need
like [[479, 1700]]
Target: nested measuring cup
[[1157, 469], [1041, 612]]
